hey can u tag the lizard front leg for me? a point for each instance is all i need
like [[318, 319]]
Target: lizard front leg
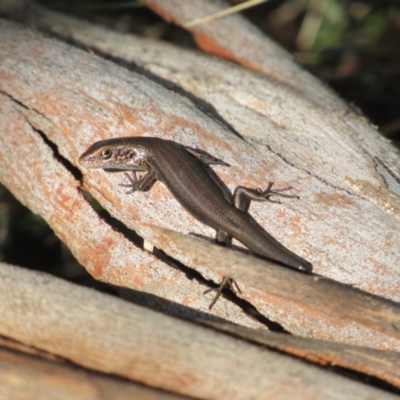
[[143, 184], [242, 198]]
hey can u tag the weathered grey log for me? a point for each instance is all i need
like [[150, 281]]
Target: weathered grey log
[[25, 377], [268, 128], [109, 335], [67, 127], [347, 175], [48, 187]]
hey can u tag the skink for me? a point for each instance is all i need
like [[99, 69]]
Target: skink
[[184, 170]]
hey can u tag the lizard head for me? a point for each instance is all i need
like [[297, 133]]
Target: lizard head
[[115, 154]]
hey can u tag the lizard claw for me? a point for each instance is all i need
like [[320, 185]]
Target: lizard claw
[[228, 283], [268, 192], [134, 182]]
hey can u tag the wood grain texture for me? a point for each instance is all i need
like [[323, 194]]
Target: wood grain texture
[[109, 335], [133, 105], [347, 219], [268, 126], [331, 311], [24, 377], [44, 181]]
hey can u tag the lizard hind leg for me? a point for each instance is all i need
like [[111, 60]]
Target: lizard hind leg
[[226, 283], [243, 196], [223, 238]]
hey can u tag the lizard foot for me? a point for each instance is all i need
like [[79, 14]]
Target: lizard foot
[[228, 283]]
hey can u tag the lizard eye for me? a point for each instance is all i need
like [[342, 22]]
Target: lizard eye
[[105, 154]]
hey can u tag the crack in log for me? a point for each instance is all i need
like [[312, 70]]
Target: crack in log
[[190, 273], [248, 308], [14, 100], [77, 174], [295, 166], [131, 235]]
